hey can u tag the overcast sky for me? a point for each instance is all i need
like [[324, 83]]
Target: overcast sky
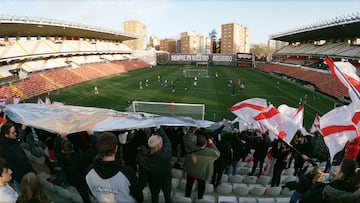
[[168, 18]]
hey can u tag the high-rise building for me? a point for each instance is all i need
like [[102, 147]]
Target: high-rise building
[[234, 38], [205, 44], [154, 42], [139, 29], [178, 46], [168, 45], [194, 43]]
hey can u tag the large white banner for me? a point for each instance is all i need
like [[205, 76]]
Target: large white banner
[[66, 119]]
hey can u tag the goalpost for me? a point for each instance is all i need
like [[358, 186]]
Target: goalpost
[[202, 63], [196, 73], [196, 111]]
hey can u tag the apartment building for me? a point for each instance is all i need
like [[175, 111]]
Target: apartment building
[[234, 38], [168, 45], [195, 43], [139, 29]]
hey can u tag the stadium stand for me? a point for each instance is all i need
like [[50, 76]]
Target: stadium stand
[[43, 73]]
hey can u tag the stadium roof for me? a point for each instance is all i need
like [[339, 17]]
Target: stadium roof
[[15, 26], [337, 28]]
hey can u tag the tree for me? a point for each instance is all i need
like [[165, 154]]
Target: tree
[[218, 46], [261, 50], [213, 37]]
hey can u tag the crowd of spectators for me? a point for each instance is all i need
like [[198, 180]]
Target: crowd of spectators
[[110, 166]]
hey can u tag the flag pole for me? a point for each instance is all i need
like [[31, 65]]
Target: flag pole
[[293, 148]]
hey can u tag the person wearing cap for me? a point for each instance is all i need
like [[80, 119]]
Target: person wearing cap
[[155, 167]]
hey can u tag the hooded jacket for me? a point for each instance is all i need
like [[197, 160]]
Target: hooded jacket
[[340, 190], [200, 163], [16, 158], [110, 181], [332, 195]]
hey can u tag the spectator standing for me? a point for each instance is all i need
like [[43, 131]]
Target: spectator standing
[[224, 146], [155, 167], [304, 147], [199, 162], [190, 138], [261, 146], [79, 161], [7, 193], [31, 190], [28, 137], [130, 150], [51, 160], [238, 147], [280, 152], [295, 142], [15, 156], [176, 138], [108, 179]]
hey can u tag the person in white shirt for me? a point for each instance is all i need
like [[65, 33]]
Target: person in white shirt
[[108, 179], [7, 193]]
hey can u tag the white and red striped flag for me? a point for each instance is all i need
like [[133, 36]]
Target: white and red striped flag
[[316, 124], [279, 124], [337, 129], [355, 115], [248, 108], [267, 162], [345, 72], [296, 114], [243, 125]]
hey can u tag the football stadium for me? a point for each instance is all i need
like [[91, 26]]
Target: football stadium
[[272, 123]]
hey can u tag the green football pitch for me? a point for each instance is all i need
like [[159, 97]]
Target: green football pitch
[[116, 91]]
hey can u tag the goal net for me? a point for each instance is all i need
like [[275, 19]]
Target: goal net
[[196, 73], [202, 63], [195, 111]]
